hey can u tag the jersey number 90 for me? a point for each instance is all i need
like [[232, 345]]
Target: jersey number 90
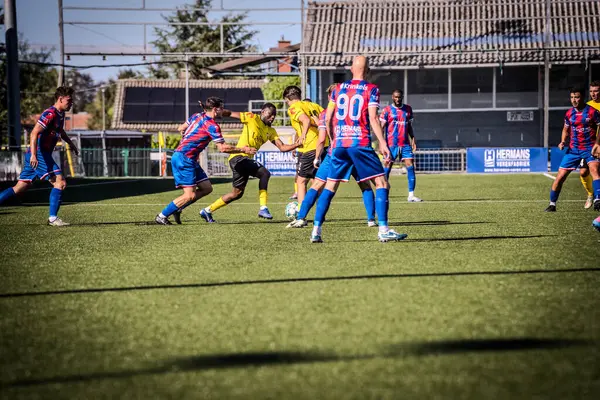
[[349, 105]]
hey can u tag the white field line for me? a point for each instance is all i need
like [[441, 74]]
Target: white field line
[[549, 176], [87, 184], [284, 203]]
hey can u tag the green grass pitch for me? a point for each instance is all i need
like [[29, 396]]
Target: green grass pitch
[[488, 298]]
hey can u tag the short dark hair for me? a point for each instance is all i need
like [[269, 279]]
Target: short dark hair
[[398, 91], [595, 83], [576, 90], [331, 88], [63, 91], [292, 93], [307, 99], [213, 102], [270, 106]]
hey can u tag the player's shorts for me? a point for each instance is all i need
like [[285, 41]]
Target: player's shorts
[[405, 152], [243, 168], [325, 168], [45, 169], [364, 159], [186, 171], [305, 167], [573, 158]]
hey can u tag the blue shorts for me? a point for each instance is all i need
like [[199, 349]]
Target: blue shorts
[[325, 168], [187, 172], [46, 167], [405, 152], [573, 158], [363, 159]]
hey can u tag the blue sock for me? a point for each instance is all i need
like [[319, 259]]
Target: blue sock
[[595, 185], [308, 203], [369, 200], [322, 206], [412, 178], [55, 199], [554, 195], [6, 194], [169, 209], [382, 205], [387, 171]]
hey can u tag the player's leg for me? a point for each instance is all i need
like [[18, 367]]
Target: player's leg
[[408, 157], [305, 170], [19, 188], [240, 180], [313, 193], [562, 175], [586, 181], [594, 166], [263, 176], [368, 167], [394, 152], [192, 194], [59, 184], [368, 200], [596, 223]]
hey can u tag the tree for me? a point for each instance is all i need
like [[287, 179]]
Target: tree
[[95, 107], [198, 38], [83, 84], [273, 90]]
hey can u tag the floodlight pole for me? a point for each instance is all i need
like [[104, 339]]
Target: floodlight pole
[[61, 38], [187, 88], [104, 155], [547, 67], [12, 75]]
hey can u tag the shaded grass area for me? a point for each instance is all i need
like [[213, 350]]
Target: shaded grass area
[[489, 297]]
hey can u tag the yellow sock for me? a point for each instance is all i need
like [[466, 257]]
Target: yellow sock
[[217, 204], [587, 184], [262, 198], [295, 187]]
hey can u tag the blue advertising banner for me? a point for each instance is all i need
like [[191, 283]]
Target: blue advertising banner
[[278, 163], [507, 160], [556, 156]]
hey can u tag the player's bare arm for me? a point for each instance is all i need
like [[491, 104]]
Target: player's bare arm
[[306, 122], [411, 136], [285, 147], [320, 146], [328, 120], [232, 114], [564, 137], [375, 125], [33, 137], [227, 148], [67, 139], [181, 128]]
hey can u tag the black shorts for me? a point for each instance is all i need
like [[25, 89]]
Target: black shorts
[[243, 168], [305, 167]]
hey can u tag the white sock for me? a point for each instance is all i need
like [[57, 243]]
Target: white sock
[[553, 203], [263, 208], [316, 231], [52, 219], [207, 209], [162, 215], [411, 194], [384, 229]]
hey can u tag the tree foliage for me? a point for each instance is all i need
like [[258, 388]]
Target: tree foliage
[[83, 84], [198, 38]]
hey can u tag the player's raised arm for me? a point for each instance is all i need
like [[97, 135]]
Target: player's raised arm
[[232, 114], [286, 147], [227, 148]]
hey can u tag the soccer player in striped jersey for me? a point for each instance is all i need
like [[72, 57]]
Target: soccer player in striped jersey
[[256, 132], [321, 177], [351, 115], [199, 130], [581, 125], [396, 122], [584, 172], [39, 163]]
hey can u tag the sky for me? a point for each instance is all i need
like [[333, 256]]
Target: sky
[[44, 32]]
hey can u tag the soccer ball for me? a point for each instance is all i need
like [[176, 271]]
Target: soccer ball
[[291, 210]]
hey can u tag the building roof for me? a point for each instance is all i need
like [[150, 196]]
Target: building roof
[[172, 98], [237, 63], [419, 33], [72, 121]]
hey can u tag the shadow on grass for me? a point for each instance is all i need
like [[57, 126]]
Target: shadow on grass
[[262, 359], [90, 190], [458, 239], [299, 280]]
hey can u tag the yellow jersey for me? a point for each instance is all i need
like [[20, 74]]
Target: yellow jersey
[[595, 104], [310, 110], [254, 134]]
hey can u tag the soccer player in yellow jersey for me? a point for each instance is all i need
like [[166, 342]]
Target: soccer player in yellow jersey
[[301, 114], [256, 132], [584, 171]]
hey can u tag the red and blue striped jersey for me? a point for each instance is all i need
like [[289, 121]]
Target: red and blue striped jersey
[[397, 122], [52, 121], [200, 131], [582, 127], [352, 100]]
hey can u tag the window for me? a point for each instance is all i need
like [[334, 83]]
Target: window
[[472, 87], [517, 87], [562, 79], [427, 89], [388, 81]]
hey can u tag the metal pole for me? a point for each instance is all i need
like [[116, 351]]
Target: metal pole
[[302, 59], [547, 76], [103, 111], [104, 155], [187, 88], [222, 34], [61, 38], [12, 75]]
